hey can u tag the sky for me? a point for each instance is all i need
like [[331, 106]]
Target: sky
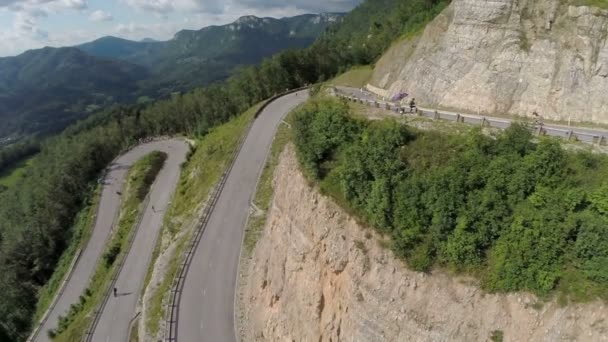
[[32, 24]]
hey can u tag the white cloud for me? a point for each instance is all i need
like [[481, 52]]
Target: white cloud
[[22, 35], [157, 6], [36, 12], [100, 15], [162, 30], [74, 4], [25, 26], [168, 6], [19, 5], [25, 32]]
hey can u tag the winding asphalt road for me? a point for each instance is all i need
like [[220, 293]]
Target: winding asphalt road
[[118, 312], [114, 322], [206, 309]]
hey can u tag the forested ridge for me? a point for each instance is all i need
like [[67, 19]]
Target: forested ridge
[[43, 91], [517, 214], [36, 215]]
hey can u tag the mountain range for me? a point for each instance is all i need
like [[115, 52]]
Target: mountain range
[[44, 90]]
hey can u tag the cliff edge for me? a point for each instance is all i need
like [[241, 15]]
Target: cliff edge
[[507, 57], [317, 275]]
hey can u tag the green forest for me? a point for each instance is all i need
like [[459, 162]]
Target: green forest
[[517, 214], [38, 213]]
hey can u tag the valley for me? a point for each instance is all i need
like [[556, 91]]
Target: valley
[[43, 91]]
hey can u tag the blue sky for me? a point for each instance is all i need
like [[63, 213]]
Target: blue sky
[[31, 24]]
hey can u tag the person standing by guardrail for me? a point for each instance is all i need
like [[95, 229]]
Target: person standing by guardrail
[[413, 105]]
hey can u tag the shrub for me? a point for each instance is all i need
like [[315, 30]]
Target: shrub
[[520, 215]]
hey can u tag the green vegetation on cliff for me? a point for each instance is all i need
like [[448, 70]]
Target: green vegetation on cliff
[[595, 3], [520, 215], [370, 29]]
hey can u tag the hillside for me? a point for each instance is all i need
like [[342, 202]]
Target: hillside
[[124, 49], [43, 91], [194, 58], [508, 57]]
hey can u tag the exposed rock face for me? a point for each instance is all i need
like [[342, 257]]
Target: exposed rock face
[[509, 56], [316, 275]]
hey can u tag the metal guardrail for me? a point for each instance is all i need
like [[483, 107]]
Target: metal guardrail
[[538, 129], [172, 313]]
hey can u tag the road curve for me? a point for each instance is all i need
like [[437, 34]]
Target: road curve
[[206, 308], [504, 122], [113, 324], [109, 206]]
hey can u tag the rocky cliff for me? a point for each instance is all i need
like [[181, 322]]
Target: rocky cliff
[[507, 56], [317, 275]]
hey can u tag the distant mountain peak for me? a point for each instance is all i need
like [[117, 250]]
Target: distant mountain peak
[[248, 19], [330, 17]]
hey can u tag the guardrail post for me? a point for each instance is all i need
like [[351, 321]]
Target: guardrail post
[[457, 117], [377, 104], [483, 121], [570, 135], [388, 106], [602, 141], [598, 140], [436, 115]]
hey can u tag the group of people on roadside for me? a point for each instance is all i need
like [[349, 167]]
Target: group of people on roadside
[[412, 102]]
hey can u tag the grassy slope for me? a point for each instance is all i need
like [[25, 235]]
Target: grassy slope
[[595, 3], [10, 176], [201, 173], [139, 180], [356, 77]]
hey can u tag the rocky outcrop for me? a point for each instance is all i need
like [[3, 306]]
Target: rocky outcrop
[[508, 57], [317, 275]]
